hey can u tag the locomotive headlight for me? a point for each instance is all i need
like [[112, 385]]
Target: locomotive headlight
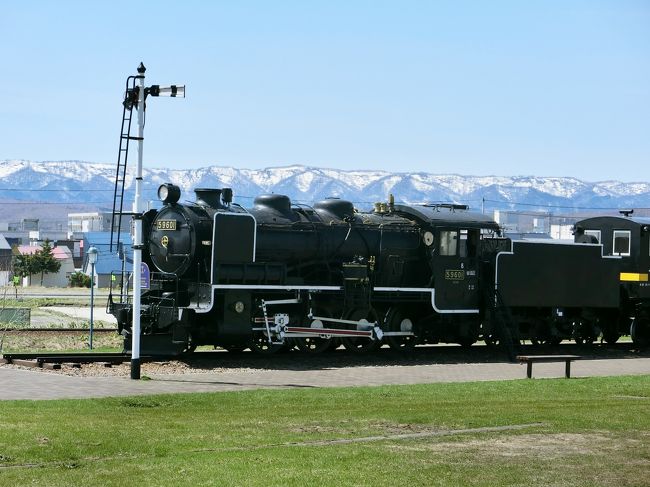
[[169, 193], [239, 307]]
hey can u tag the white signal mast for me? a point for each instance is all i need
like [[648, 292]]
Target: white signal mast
[[177, 91]]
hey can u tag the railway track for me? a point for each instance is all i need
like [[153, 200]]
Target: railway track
[[57, 330], [54, 361], [339, 358]]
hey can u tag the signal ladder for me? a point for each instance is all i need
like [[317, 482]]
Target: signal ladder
[[130, 101]]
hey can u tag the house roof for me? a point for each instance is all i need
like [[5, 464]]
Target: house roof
[[104, 238], [28, 249], [59, 253], [4, 245]]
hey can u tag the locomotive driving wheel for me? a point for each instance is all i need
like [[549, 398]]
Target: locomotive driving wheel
[[317, 344], [399, 320], [260, 344], [364, 318]]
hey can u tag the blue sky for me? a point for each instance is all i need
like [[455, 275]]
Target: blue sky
[[549, 88]]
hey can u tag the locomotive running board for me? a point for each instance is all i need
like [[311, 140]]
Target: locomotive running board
[[283, 287], [433, 299]]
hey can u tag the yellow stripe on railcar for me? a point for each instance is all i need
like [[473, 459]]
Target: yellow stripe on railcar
[[634, 277]]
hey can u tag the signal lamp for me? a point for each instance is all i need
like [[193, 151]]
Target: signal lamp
[[169, 193]]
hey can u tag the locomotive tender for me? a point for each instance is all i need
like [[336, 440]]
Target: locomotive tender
[[279, 276]]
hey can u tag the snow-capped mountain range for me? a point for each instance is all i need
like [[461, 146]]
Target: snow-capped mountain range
[[93, 183]]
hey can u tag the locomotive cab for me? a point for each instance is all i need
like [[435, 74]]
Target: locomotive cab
[[453, 236], [455, 268]]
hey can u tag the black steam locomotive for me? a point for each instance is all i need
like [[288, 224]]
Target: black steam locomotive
[[279, 276]]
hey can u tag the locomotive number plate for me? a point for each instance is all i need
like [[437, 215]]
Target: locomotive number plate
[[454, 275], [166, 224]]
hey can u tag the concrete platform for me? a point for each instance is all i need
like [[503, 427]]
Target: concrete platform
[[27, 384]]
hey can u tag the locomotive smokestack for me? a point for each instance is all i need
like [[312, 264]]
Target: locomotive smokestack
[[208, 197], [226, 196]]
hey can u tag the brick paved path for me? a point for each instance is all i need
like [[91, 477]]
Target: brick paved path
[[27, 384]]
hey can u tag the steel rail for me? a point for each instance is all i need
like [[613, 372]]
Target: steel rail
[[57, 330], [54, 360]]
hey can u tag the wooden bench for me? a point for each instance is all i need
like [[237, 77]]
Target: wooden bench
[[531, 359]]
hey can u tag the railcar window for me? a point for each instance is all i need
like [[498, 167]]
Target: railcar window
[[594, 233], [448, 242], [622, 242]]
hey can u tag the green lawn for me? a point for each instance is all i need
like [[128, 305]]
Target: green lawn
[[583, 432]]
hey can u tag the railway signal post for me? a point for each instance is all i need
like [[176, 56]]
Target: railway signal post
[[138, 96]]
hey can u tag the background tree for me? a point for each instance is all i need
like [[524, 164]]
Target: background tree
[[24, 265], [79, 279], [46, 263], [42, 261]]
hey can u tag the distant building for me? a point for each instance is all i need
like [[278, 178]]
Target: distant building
[[529, 222], [6, 271], [108, 262], [15, 236], [514, 235], [51, 279], [562, 231], [94, 222], [29, 224], [75, 249], [535, 222], [89, 222]]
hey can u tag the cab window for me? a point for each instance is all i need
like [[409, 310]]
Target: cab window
[[448, 242], [622, 241], [594, 233], [468, 243]]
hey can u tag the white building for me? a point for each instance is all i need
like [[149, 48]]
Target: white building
[[52, 279], [562, 231], [89, 222], [6, 271]]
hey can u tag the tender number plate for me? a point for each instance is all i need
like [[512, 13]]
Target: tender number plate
[[454, 275], [166, 224]]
